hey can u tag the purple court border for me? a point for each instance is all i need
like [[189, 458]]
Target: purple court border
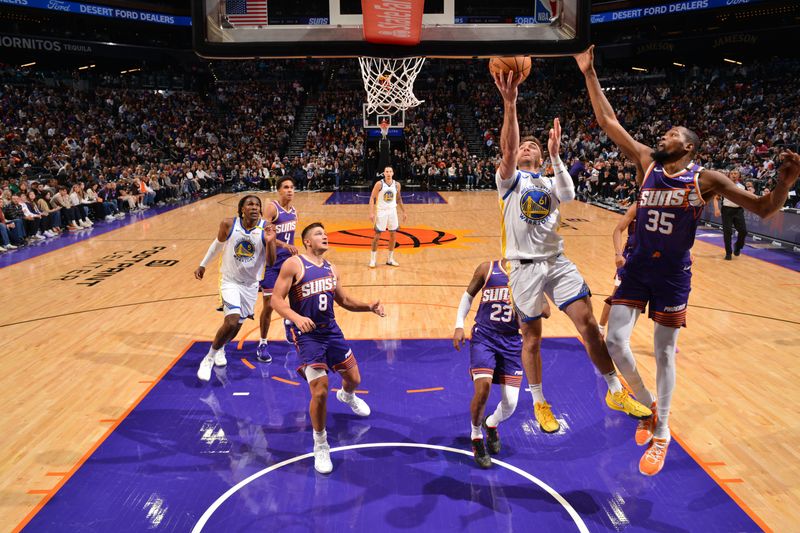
[[362, 198]]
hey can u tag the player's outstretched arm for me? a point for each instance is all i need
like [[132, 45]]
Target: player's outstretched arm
[[607, 118], [290, 269], [509, 134], [351, 304], [616, 235], [713, 182], [475, 284], [216, 246], [563, 185]]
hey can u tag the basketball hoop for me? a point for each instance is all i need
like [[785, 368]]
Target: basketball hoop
[[390, 83], [384, 129]]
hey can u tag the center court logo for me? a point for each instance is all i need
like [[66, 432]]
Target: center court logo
[[534, 205], [244, 251], [361, 238]]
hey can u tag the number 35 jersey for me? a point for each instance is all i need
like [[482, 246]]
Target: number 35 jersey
[[668, 212], [495, 313], [312, 295]]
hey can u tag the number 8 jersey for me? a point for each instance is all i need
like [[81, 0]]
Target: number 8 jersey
[[495, 313], [668, 212], [312, 295]]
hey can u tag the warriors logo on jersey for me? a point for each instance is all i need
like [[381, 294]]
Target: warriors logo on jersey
[[244, 250], [534, 205], [388, 196]]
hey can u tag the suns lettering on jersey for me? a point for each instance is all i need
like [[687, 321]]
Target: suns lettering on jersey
[[669, 198], [495, 294], [317, 286], [286, 227]]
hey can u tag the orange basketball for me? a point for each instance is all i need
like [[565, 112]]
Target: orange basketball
[[519, 64]]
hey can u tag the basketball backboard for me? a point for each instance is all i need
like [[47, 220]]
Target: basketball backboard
[[333, 28]]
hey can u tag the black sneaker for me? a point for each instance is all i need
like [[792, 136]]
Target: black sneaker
[[492, 438], [737, 251], [481, 456], [728, 257]]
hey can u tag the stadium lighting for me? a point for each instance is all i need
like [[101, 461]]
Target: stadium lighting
[[678, 64], [639, 69], [32, 63], [85, 67], [129, 70], [732, 61]]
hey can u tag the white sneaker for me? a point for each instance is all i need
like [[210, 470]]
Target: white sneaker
[[372, 264], [322, 458], [219, 359], [89, 223], [39, 237], [11, 247], [109, 218], [119, 216], [82, 224], [358, 405], [204, 372], [392, 262], [2, 249]]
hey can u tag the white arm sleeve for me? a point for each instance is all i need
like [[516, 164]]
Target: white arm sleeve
[[212, 252], [565, 189], [463, 309]]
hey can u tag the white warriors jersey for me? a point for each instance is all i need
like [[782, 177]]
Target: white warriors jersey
[[244, 254], [530, 217], [387, 196]]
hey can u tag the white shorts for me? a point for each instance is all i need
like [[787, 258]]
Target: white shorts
[[557, 277], [386, 220], [238, 299]]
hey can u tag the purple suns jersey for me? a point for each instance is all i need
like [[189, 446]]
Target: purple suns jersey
[[312, 296], [630, 243], [495, 312], [285, 225], [668, 212]]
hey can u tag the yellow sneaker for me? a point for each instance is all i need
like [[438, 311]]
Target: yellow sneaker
[[622, 401], [646, 427], [544, 415], [652, 461]]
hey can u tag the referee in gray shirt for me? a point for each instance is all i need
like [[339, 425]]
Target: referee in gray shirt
[[732, 217]]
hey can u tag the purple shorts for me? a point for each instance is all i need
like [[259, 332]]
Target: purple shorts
[[324, 348], [271, 275], [497, 355], [660, 285]]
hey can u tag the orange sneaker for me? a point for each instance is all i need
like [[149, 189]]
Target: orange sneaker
[[646, 427], [652, 461]]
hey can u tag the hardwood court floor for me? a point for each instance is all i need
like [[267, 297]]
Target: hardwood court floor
[[86, 329]]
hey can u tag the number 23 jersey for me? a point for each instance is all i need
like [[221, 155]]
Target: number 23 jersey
[[312, 295], [495, 313]]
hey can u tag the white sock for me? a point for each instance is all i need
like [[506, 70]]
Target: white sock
[[320, 437], [373, 256], [348, 396], [508, 403], [212, 352], [263, 341], [536, 392], [391, 255], [613, 382], [476, 432]]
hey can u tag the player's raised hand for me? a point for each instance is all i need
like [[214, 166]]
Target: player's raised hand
[[305, 324], [790, 167], [377, 308], [198, 274], [585, 60], [458, 339], [507, 85], [554, 140]]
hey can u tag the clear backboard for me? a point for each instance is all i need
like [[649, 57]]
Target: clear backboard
[[333, 28]]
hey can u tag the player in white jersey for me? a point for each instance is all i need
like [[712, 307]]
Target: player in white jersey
[[530, 203], [247, 246], [383, 204]]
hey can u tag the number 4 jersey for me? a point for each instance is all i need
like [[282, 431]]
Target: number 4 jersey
[[495, 313], [312, 295], [668, 212]]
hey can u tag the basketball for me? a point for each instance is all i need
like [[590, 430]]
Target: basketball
[[518, 64]]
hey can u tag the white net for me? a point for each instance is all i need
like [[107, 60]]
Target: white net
[[390, 83]]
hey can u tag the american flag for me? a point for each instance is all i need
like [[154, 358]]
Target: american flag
[[246, 12]]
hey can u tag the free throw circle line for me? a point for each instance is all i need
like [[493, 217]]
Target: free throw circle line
[[198, 527]]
